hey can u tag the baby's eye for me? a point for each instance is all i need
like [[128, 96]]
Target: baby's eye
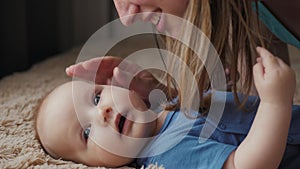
[[86, 133], [96, 99]]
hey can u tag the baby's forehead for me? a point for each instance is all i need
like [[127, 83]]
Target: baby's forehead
[[55, 106], [54, 118], [66, 90]]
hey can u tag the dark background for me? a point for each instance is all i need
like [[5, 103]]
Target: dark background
[[33, 30]]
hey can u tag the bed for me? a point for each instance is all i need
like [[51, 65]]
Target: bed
[[19, 95]]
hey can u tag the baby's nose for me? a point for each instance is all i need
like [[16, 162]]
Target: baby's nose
[[105, 112]]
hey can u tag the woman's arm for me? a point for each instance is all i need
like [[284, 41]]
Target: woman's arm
[[264, 146], [106, 70]]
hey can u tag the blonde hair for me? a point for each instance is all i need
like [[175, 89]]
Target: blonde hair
[[233, 28]]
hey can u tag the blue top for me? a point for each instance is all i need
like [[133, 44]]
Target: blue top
[[177, 145], [172, 150], [276, 27]]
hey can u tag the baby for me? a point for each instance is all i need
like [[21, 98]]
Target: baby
[[110, 126]]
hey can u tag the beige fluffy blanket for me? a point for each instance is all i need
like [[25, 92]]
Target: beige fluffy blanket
[[19, 95]]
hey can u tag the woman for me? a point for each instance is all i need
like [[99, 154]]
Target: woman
[[232, 27]]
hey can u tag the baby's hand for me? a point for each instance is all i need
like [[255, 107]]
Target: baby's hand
[[274, 80]]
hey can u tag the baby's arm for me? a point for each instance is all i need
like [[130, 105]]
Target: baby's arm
[[264, 146]]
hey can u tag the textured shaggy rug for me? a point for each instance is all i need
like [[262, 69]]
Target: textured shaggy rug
[[19, 95]]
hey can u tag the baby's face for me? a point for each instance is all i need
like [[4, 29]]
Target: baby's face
[[95, 125]]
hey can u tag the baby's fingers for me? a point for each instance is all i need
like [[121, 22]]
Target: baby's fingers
[[267, 58], [258, 72]]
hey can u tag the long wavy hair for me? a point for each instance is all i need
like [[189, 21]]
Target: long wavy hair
[[234, 30]]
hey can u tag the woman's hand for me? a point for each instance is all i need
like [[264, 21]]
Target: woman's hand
[[275, 81], [99, 70], [115, 71]]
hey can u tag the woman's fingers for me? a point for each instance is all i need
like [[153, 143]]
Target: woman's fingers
[[79, 71], [121, 78], [98, 69], [69, 71], [82, 68]]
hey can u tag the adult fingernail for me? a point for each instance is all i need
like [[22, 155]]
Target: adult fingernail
[[69, 69]]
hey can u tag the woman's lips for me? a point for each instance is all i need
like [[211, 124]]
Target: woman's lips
[[160, 22], [127, 20], [155, 19]]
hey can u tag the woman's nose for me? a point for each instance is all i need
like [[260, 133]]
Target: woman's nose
[[126, 11]]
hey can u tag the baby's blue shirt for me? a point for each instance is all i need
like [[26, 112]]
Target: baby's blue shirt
[[178, 146]]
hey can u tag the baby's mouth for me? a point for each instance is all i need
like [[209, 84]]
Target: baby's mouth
[[121, 123]]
